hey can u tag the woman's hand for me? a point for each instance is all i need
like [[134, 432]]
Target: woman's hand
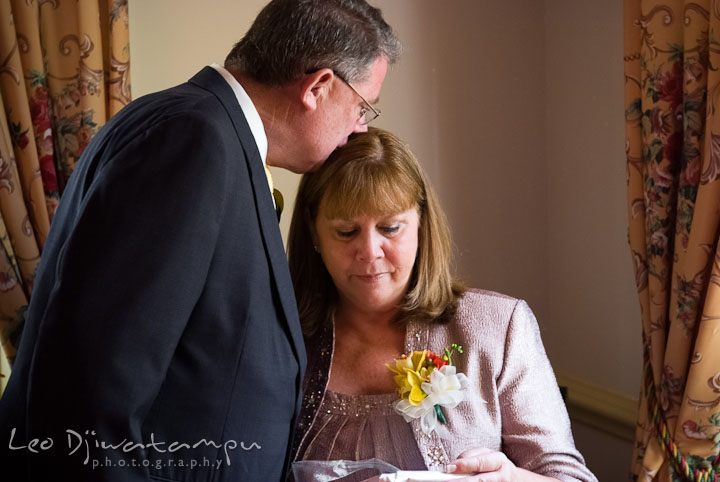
[[490, 466]]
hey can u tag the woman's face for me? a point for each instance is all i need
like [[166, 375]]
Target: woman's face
[[370, 258]]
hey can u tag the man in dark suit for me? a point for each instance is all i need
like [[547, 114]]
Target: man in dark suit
[[162, 340]]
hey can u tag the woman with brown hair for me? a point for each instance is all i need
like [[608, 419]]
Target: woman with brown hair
[[370, 257]]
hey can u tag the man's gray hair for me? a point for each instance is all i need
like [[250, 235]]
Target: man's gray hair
[[290, 38]]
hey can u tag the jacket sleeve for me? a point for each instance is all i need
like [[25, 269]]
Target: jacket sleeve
[[536, 431], [128, 274]]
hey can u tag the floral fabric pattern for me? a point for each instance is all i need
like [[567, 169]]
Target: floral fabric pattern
[[59, 83], [671, 56]]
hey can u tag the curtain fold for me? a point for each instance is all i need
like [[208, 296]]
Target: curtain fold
[[64, 70], [672, 57]]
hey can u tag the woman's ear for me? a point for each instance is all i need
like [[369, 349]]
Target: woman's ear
[[315, 87]]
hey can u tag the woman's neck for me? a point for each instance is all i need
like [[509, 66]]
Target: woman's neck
[[364, 326], [370, 340]]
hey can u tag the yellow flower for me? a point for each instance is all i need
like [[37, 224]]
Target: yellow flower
[[416, 394], [410, 372]]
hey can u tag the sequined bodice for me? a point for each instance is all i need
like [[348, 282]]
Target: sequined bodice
[[359, 427]]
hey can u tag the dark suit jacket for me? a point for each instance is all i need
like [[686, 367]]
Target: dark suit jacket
[[163, 319]]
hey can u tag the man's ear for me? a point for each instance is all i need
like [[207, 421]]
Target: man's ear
[[315, 87]]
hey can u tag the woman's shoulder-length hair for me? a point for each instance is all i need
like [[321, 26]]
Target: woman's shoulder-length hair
[[375, 173]]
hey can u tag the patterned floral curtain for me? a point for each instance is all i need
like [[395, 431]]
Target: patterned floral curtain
[[672, 73], [64, 70]]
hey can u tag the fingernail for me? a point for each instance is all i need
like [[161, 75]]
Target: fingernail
[[451, 468]]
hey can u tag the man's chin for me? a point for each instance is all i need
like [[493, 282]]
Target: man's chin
[[316, 166], [307, 166]]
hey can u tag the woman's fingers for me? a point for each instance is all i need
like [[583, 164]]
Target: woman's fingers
[[480, 461], [475, 451], [483, 465], [486, 477]]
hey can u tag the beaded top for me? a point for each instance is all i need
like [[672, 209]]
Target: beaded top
[[370, 428], [359, 405]]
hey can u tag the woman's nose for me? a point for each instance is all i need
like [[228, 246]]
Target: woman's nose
[[369, 247]]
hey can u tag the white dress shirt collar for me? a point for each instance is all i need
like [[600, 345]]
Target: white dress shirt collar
[[248, 108]]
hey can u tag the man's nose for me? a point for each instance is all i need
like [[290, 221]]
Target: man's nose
[[360, 127]]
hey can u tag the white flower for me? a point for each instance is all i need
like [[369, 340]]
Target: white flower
[[445, 388]]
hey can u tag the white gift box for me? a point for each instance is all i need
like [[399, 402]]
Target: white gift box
[[419, 476]]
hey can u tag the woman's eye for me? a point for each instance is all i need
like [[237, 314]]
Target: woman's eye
[[346, 234], [390, 229]]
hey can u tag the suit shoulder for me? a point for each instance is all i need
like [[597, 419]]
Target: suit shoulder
[[487, 311], [183, 103], [474, 297]]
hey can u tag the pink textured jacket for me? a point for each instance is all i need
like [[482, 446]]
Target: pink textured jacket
[[512, 405]]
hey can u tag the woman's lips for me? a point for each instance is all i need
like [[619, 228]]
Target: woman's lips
[[370, 278]]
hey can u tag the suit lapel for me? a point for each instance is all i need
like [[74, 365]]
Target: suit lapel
[[211, 80]]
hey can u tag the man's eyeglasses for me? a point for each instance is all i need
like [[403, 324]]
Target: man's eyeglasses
[[368, 113]]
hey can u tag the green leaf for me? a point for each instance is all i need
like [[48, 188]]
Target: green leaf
[[87, 118], [656, 148], [633, 113], [634, 107], [676, 52], [715, 419], [694, 122], [645, 126], [440, 414], [646, 152], [37, 77], [690, 152], [685, 214]]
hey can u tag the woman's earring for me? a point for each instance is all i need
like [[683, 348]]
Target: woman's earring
[[316, 248]]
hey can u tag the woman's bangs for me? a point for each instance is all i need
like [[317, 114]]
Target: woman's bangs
[[374, 192]]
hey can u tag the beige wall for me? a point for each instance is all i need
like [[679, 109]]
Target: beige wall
[[591, 291], [515, 109]]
